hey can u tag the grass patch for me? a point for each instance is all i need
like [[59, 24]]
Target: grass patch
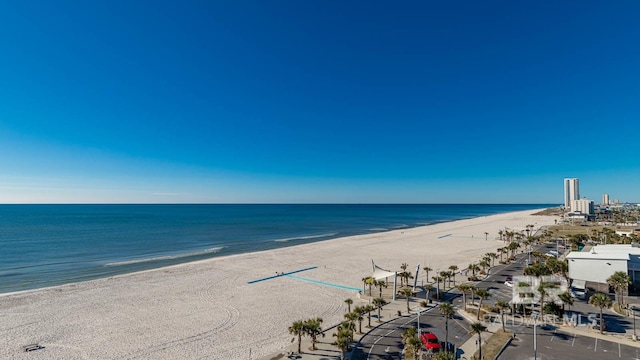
[[494, 344], [550, 211], [616, 308]]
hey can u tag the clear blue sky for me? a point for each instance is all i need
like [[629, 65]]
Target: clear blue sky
[[315, 101]]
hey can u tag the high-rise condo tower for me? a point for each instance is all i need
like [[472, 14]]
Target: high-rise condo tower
[[571, 191]]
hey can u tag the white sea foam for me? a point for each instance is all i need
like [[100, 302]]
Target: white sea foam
[[167, 257], [305, 237]]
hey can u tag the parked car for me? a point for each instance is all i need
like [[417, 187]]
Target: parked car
[[578, 294], [509, 283], [431, 342]]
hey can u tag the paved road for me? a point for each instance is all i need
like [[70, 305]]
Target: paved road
[[385, 341], [557, 345]]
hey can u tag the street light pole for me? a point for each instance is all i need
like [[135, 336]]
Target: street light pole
[[419, 329], [438, 285], [534, 315], [635, 337]]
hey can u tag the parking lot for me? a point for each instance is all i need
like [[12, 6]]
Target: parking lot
[[558, 345]]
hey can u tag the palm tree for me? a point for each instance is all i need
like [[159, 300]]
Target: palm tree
[[342, 343], [408, 293], [313, 328], [427, 291], [453, 269], [414, 345], [501, 305], [464, 288], [485, 264], [493, 256], [444, 275], [368, 281], [408, 276], [426, 270], [478, 328], [348, 302], [542, 289], [483, 294], [358, 311], [485, 235], [407, 334], [381, 284], [346, 328], [352, 317], [447, 310], [379, 303], [368, 309], [500, 232], [472, 290], [566, 299], [438, 280], [473, 268], [600, 300], [619, 281], [298, 328]]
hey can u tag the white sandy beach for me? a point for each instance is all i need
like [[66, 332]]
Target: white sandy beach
[[207, 310]]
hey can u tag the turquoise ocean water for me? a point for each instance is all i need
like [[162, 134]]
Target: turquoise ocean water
[[47, 245]]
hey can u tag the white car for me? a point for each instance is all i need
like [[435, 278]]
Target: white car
[[509, 283]]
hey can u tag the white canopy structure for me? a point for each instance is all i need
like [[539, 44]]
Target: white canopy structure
[[380, 273]]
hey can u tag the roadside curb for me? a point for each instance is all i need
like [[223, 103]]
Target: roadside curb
[[503, 348]]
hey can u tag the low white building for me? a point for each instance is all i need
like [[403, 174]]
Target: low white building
[[597, 264]]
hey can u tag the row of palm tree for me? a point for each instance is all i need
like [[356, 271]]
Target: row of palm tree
[[371, 283], [345, 331], [377, 303], [483, 294], [311, 327]]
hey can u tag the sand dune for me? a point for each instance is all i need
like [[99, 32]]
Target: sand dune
[[207, 309]]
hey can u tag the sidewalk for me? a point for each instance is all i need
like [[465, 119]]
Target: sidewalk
[[470, 347]]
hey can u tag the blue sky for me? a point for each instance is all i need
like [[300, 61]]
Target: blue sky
[[300, 101]]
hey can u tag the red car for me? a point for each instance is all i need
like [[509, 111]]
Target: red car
[[430, 341]]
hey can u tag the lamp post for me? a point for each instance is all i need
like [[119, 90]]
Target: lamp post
[[438, 285], [534, 315], [635, 337], [419, 329]]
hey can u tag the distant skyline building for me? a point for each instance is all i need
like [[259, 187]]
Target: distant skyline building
[[583, 205], [605, 199], [571, 191]]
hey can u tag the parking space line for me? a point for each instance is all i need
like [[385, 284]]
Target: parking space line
[[619, 350], [596, 347], [574, 339]]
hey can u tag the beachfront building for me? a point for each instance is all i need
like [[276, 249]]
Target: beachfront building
[[571, 191], [583, 206], [596, 264], [605, 199]]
